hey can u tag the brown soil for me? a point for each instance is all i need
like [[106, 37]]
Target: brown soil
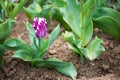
[[106, 67]]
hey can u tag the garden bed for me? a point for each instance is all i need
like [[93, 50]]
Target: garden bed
[[107, 66]]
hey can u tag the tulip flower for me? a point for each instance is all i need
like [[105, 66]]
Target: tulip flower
[[40, 27]]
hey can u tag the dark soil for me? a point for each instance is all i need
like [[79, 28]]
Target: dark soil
[[106, 67]]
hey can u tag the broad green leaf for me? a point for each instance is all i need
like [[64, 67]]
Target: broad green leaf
[[58, 15], [104, 11], [17, 8], [32, 10], [17, 44], [88, 11], [74, 43], [118, 2], [65, 68], [2, 51], [25, 55], [108, 20], [74, 49], [41, 2], [71, 15], [58, 3], [88, 31], [94, 49], [86, 21], [54, 34], [70, 37], [45, 12], [5, 29]]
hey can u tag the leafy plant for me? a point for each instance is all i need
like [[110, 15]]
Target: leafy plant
[[2, 50], [107, 19], [50, 10], [79, 18], [34, 53], [8, 10]]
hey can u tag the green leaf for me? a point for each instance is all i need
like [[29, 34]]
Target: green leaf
[[25, 55], [86, 21], [65, 68], [88, 31], [88, 10], [32, 10], [44, 47], [69, 37], [58, 3], [94, 49], [31, 32], [71, 15], [41, 2], [4, 7], [5, 29], [17, 44], [2, 51], [33, 39], [54, 35], [74, 43], [17, 8], [108, 20]]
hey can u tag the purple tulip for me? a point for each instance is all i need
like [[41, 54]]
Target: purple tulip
[[40, 27]]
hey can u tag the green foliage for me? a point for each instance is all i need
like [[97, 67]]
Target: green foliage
[[10, 9], [32, 10], [63, 67], [58, 3], [107, 19], [2, 50], [5, 29], [79, 18], [35, 53]]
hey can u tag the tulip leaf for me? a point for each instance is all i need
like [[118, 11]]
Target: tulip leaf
[[44, 47], [17, 8], [5, 29], [32, 10], [94, 49], [32, 36], [108, 20], [58, 3], [71, 15], [16, 44], [65, 68], [2, 51], [86, 21], [54, 34], [25, 55]]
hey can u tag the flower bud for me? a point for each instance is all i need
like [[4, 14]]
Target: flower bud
[[40, 27]]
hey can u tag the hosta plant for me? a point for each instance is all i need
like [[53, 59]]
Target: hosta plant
[[35, 52], [79, 18]]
